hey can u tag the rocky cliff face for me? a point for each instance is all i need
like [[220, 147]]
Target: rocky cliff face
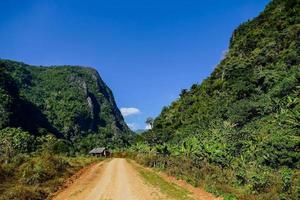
[[68, 101]]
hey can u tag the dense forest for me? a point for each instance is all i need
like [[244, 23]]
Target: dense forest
[[69, 102], [49, 118], [238, 132]]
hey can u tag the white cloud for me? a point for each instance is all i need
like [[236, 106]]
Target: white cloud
[[129, 111], [132, 126]]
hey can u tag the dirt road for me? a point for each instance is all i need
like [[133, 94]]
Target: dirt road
[[112, 180], [116, 179]]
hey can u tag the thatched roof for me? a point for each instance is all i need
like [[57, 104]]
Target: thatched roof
[[98, 150]]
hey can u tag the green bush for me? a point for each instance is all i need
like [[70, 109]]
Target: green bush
[[245, 182], [229, 197], [40, 169], [286, 175], [259, 182], [19, 159], [35, 176], [51, 144], [15, 140]]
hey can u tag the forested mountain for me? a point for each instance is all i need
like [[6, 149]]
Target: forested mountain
[[246, 115], [50, 118], [252, 95], [68, 101]]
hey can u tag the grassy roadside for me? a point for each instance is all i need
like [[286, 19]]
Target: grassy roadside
[[223, 183], [34, 177], [169, 189]]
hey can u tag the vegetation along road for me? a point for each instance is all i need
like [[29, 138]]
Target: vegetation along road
[[119, 179]]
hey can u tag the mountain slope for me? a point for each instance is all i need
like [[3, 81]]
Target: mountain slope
[[249, 107], [238, 132], [69, 101]]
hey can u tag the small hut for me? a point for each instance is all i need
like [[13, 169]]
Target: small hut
[[102, 151]]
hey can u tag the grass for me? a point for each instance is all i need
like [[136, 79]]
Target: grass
[[35, 177], [169, 189], [251, 184]]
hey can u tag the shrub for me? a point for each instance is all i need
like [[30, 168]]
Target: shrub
[[14, 141], [245, 182], [259, 180], [41, 169], [229, 197], [51, 144], [286, 175], [19, 159]]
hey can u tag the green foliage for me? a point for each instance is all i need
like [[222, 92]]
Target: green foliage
[[8, 93], [243, 182], [171, 190], [230, 197], [190, 146], [14, 141], [34, 177], [104, 138], [51, 144], [41, 169], [245, 117], [286, 178], [62, 100], [57, 112]]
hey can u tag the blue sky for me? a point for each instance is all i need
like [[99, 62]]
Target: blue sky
[[145, 50]]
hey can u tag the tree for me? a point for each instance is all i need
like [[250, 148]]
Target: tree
[[150, 122], [14, 141], [183, 92]]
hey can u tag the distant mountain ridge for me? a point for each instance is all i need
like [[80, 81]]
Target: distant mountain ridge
[[68, 101]]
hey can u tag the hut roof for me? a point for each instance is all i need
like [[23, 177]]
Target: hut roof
[[98, 150]]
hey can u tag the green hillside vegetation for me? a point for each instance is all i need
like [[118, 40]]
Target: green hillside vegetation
[[69, 102], [237, 134], [238, 131], [49, 118], [35, 177]]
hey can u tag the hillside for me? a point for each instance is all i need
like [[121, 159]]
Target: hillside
[[246, 115], [50, 118], [253, 94], [67, 101]]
